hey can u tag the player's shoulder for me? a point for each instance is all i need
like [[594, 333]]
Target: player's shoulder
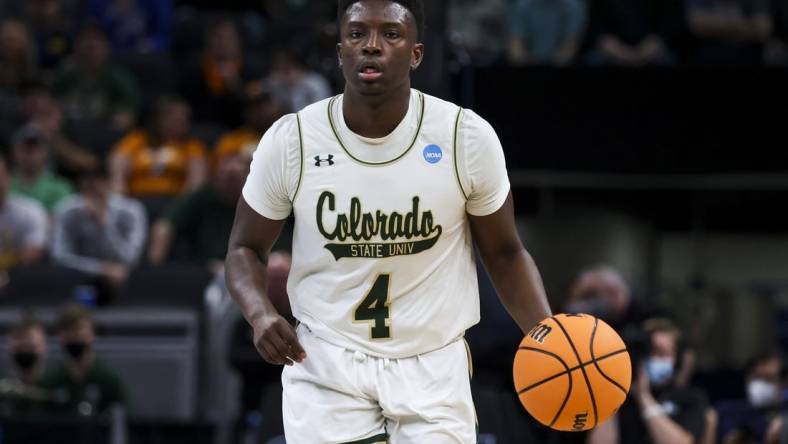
[[437, 106], [283, 132], [469, 120]]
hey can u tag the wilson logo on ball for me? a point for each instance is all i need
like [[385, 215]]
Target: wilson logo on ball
[[540, 332], [580, 421]]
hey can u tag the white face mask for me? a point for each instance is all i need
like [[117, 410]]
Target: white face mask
[[761, 393]]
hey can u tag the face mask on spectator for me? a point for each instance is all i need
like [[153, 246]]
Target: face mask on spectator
[[76, 349], [659, 370], [762, 393], [25, 360]]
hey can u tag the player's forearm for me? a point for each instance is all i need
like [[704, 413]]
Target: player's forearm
[[519, 286], [247, 277]]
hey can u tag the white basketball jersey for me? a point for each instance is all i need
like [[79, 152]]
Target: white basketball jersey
[[382, 252]]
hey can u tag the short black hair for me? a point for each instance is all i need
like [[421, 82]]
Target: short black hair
[[416, 7], [72, 316]]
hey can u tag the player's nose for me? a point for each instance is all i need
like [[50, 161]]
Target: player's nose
[[372, 45]]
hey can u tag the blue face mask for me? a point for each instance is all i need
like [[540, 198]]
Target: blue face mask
[[659, 370]]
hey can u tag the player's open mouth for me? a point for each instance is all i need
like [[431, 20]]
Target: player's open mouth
[[370, 73]]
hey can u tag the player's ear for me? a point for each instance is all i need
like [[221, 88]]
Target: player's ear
[[417, 55], [339, 54]]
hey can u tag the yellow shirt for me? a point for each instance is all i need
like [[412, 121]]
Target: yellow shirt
[[159, 170], [234, 142]]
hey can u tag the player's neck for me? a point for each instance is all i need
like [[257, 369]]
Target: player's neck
[[375, 116]]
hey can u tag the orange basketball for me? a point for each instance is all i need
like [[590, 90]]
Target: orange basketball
[[572, 372]]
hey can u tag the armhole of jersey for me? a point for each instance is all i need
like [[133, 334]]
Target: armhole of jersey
[[456, 152], [301, 156]]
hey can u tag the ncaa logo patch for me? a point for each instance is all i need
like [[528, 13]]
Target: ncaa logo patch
[[433, 153]]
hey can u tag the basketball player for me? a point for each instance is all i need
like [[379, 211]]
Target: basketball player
[[390, 188]]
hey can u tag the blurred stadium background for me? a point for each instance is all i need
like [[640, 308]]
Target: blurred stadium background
[[647, 135]]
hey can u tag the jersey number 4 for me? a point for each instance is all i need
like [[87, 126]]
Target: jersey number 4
[[374, 308]]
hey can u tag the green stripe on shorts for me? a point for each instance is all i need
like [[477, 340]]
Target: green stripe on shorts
[[373, 440]]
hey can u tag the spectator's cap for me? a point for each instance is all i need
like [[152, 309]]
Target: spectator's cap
[[256, 92], [29, 134]]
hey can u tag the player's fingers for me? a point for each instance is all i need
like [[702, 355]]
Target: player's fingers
[[268, 352], [280, 347], [297, 351]]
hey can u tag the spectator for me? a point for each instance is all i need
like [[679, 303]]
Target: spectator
[[215, 82], [203, 218], [27, 350], [601, 291], [23, 226], [546, 31], [292, 84], [162, 161], [93, 89], [261, 110], [40, 108], [134, 25], [634, 32], [730, 32], [52, 25], [87, 386], [747, 420], [98, 232], [18, 60], [657, 411], [480, 29], [777, 47], [32, 177]]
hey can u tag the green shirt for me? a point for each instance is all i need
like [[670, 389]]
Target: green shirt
[[204, 221], [47, 190], [100, 390], [97, 97]]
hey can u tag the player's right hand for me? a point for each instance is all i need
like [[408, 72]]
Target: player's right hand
[[276, 340]]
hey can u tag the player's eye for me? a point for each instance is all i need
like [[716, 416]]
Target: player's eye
[[392, 34], [355, 34]]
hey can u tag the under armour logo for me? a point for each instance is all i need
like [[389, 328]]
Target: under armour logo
[[319, 162]]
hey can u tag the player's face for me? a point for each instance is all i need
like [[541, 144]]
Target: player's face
[[378, 46]]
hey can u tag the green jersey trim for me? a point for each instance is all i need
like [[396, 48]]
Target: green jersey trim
[[383, 437], [301, 153], [456, 144], [363, 162]]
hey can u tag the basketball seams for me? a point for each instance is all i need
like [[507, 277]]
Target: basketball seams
[[568, 370], [568, 389], [550, 378], [596, 365], [582, 369]]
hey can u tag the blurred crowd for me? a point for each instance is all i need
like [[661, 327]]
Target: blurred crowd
[[79, 384], [631, 33], [127, 130]]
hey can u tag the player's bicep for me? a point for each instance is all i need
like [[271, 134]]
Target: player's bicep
[[496, 234], [253, 231]]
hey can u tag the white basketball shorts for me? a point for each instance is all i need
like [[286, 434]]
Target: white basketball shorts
[[341, 396]]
